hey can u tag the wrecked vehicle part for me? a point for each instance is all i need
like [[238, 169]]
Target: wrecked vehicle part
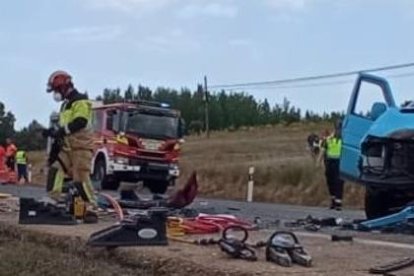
[[387, 161], [393, 266], [399, 218], [387, 169]]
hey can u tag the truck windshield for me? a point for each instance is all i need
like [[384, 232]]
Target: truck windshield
[[156, 126]]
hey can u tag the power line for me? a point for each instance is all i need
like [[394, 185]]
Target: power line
[[312, 78], [321, 84]]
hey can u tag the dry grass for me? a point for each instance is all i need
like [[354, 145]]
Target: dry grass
[[285, 172], [23, 258]]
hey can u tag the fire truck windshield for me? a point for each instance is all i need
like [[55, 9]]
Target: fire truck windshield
[[156, 126]]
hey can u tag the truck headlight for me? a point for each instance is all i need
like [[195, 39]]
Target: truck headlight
[[174, 171], [121, 160]]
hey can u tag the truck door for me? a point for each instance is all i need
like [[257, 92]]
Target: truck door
[[371, 95]]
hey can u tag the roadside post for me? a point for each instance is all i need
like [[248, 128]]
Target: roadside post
[[29, 173], [250, 185]]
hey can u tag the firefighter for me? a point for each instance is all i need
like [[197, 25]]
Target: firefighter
[[73, 158], [10, 154], [331, 152], [21, 161]]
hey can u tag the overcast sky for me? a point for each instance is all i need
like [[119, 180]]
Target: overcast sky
[[111, 43]]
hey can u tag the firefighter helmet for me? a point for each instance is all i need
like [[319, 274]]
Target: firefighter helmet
[[59, 81]]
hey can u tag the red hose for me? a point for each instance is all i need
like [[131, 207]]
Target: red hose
[[210, 224]]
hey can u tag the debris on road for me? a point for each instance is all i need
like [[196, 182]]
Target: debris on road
[[314, 224], [393, 266], [395, 220], [339, 238]]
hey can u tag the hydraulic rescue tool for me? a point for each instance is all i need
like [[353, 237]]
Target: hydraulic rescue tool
[[237, 248], [284, 249], [146, 228]]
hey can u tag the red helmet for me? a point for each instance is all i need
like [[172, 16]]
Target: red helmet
[[59, 81]]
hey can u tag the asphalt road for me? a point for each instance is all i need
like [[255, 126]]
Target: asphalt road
[[250, 210], [270, 214]]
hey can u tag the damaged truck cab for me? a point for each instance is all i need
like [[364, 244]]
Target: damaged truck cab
[[378, 146]]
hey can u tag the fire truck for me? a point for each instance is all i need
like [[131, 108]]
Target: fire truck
[[136, 141]]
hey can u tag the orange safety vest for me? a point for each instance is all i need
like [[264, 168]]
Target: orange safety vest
[[2, 160]]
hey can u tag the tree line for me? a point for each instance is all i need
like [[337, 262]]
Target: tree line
[[28, 138], [226, 111]]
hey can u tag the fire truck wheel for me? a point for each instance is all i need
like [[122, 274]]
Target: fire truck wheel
[[99, 174], [157, 186]]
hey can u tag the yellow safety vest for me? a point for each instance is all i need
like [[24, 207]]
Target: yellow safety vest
[[333, 147], [21, 157]]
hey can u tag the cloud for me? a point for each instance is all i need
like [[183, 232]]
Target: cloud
[[128, 5], [87, 34], [173, 40], [223, 10], [287, 4]]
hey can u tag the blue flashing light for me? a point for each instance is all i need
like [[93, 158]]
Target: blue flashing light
[[164, 105]]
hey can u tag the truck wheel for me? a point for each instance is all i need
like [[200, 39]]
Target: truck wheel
[[99, 174], [157, 186], [376, 203]]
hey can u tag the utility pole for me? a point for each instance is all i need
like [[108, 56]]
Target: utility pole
[[206, 100]]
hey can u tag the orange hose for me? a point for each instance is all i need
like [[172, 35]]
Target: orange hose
[[115, 205]]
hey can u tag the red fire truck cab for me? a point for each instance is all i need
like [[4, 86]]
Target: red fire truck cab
[[136, 141]]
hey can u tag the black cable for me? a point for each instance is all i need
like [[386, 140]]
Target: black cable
[[317, 77], [321, 84]]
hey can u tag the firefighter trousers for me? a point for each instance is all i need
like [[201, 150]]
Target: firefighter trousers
[[335, 183], [73, 164]]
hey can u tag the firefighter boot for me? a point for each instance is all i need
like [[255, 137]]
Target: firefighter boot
[[332, 203], [338, 204]]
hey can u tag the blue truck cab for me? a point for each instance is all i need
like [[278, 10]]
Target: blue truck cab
[[378, 146]]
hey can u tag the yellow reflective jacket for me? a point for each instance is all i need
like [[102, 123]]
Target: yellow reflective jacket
[[78, 106]]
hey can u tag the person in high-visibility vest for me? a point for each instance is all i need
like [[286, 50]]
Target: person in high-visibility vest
[[73, 159], [331, 153], [21, 161]]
